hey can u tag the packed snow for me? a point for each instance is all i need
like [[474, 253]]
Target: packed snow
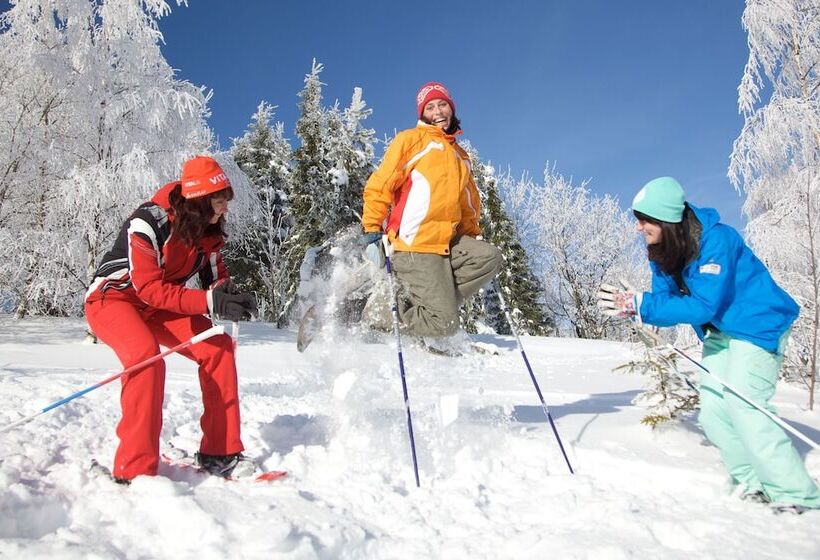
[[493, 481]]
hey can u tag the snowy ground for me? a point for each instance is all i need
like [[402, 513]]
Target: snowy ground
[[493, 482]]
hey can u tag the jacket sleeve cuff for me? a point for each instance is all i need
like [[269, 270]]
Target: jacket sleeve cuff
[[209, 296], [637, 300]]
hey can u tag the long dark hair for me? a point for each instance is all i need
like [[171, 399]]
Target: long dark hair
[[192, 216], [455, 124], [679, 245]]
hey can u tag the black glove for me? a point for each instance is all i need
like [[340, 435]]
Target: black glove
[[230, 287], [230, 306]]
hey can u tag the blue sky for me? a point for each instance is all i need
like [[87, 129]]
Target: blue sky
[[614, 92]]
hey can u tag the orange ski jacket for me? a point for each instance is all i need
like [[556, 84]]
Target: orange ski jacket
[[422, 194]]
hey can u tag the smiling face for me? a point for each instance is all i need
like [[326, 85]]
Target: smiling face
[[652, 232], [438, 113]]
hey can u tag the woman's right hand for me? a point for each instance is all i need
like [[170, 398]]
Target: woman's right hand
[[369, 238]]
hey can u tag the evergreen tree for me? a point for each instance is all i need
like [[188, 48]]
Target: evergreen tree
[[522, 291], [333, 162], [667, 395], [349, 155], [264, 154], [309, 192], [358, 154]]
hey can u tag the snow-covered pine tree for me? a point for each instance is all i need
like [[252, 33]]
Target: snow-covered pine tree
[[359, 153], [312, 195], [350, 155], [331, 169], [99, 121], [776, 162], [575, 241], [522, 291], [668, 395], [257, 264]]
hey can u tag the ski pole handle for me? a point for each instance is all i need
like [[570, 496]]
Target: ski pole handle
[[235, 336], [213, 331]]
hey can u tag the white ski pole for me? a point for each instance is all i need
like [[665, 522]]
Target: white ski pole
[[217, 329], [777, 420], [235, 336]]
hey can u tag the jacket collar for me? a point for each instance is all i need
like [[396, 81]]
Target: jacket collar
[[437, 131], [708, 218]]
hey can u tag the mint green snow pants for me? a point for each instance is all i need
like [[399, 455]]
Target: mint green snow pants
[[757, 452]]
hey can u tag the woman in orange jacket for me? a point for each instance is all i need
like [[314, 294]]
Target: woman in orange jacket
[[140, 299], [423, 196]]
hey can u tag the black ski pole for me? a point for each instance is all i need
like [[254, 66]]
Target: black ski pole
[[388, 252]]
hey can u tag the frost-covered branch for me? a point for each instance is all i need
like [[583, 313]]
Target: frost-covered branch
[[776, 161]]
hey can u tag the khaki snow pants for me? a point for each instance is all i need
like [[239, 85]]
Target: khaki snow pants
[[432, 287]]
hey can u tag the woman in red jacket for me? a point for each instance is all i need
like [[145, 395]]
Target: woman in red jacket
[[140, 298]]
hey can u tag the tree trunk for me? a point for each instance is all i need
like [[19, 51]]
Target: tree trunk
[[805, 91]]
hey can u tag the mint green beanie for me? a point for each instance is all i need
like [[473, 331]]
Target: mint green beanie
[[662, 199]]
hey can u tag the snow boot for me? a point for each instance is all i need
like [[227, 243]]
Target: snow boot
[[101, 470], [756, 497], [443, 346], [459, 344], [226, 466], [309, 327], [793, 509]]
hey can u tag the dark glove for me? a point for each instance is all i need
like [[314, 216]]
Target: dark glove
[[372, 247], [230, 306], [230, 287], [369, 238]]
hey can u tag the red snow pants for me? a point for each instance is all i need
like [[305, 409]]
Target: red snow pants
[[135, 334]]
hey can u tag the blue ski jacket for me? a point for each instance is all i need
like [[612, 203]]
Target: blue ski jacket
[[729, 288]]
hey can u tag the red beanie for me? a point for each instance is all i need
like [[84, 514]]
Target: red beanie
[[430, 91], [202, 176]]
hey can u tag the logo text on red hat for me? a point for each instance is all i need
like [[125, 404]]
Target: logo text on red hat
[[218, 178], [427, 89]]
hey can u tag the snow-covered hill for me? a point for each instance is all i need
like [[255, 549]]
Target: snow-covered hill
[[493, 481]]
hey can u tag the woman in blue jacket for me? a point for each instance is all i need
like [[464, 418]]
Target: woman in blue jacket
[[705, 275]]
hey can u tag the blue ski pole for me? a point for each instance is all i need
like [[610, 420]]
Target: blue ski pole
[[532, 375], [388, 252], [217, 329]]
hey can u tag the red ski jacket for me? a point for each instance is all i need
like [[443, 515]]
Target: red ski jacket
[[150, 266]]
